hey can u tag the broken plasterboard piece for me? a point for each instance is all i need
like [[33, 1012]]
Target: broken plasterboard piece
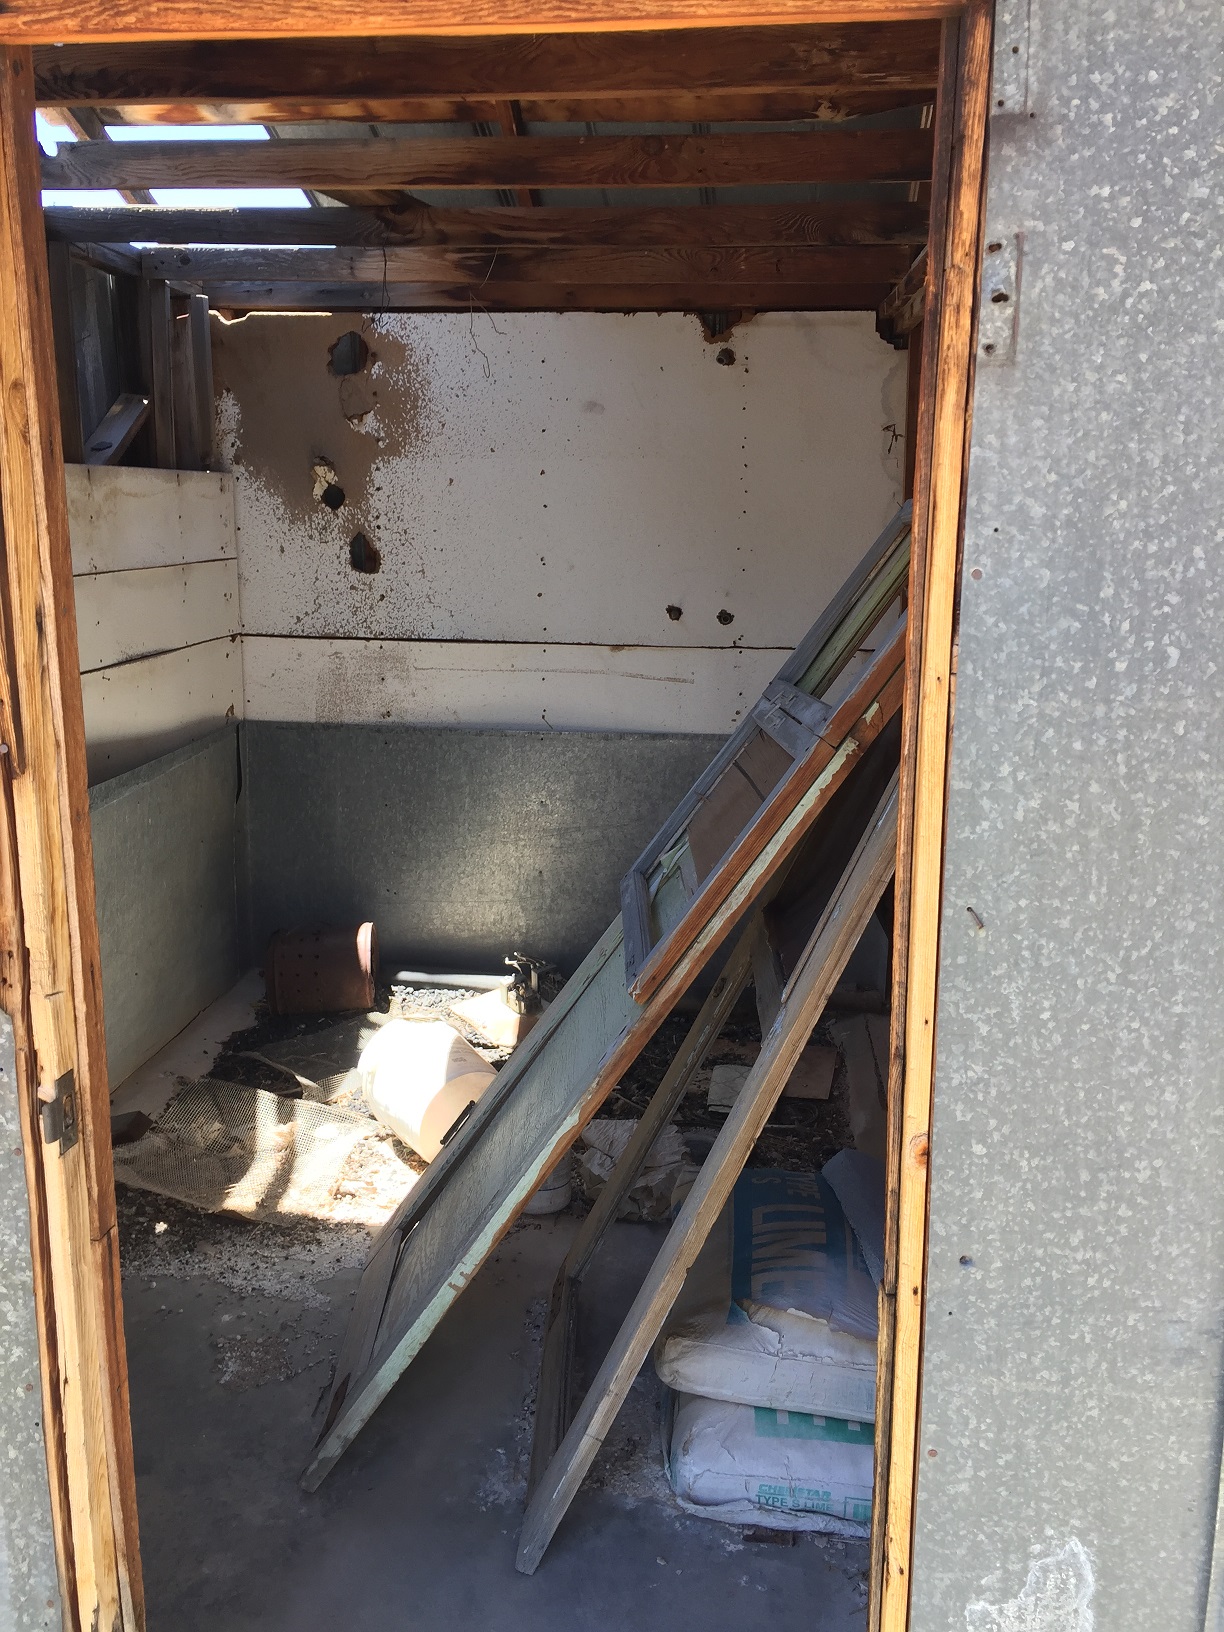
[[725, 1084], [812, 1077], [865, 1107]]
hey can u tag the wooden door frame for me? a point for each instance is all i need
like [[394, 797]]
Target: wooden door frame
[[49, 963]]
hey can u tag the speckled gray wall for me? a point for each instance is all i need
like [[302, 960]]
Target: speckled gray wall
[[29, 1589], [1070, 1447]]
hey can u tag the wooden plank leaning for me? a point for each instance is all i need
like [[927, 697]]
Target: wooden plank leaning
[[803, 1000], [554, 1395]]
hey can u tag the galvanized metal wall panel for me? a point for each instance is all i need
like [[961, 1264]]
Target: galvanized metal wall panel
[[29, 1588], [1070, 1446]]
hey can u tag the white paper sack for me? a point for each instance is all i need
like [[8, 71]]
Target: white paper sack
[[769, 1357], [746, 1465]]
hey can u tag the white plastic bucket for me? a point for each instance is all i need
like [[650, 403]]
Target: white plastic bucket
[[555, 1190], [418, 1077]]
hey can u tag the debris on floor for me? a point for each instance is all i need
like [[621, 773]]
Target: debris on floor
[[603, 1143], [421, 1079], [221, 1146], [493, 1015]]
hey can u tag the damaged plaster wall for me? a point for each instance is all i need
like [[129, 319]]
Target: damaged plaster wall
[[583, 521], [1069, 1461]]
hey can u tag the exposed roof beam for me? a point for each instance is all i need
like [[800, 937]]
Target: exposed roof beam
[[502, 161], [481, 268], [636, 108], [720, 224], [513, 297], [814, 59]]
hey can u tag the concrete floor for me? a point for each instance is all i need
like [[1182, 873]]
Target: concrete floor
[[231, 1332]]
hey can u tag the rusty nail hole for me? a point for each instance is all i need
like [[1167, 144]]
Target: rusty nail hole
[[976, 573], [1000, 298], [726, 357], [675, 613], [994, 248], [932, 1453], [725, 617]]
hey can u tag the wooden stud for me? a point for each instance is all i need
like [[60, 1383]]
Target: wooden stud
[[942, 453], [117, 429], [902, 311], [156, 337], [757, 159], [553, 1396], [708, 227], [63, 319], [57, 961], [819, 58], [807, 991]]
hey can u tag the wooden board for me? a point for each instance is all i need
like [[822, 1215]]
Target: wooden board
[[132, 516], [820, 700], [136, 711], [653, 226], [604, 264], [125, 615], [502, 161], [545, 297], [942, 452], [817, 58], [803, 1001], [631, 108], [552, 1415], [52, 974], [47, 22]]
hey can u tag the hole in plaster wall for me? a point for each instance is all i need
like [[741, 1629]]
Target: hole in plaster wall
[[327, 489], [675, 613], [349, 354], [725, 617], [363, 555], [726, 357]]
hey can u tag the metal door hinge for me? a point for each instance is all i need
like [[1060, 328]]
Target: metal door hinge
[[999, 315], [1009, 91], [58, 1109]]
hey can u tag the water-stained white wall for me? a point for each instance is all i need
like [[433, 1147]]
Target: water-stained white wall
[[595, 520]]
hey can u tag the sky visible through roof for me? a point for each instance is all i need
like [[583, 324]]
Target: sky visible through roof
[[51, 136]]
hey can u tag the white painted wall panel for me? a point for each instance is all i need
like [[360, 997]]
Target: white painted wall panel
[[136, 711], [489, 684], [121, 517], [123, 615], [545, 478]]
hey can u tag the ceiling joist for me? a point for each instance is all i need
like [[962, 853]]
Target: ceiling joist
[[630, 107], [398, 264], [729, 225], [756, 159], [822, 60], [546, 297]]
